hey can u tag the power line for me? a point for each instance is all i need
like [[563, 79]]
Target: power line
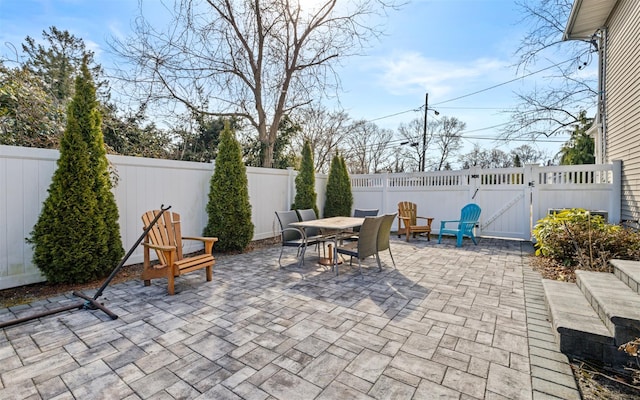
[[473, 93], [512, 140], [462, 135], [488, 127], [475, 108], [414, 142], [504, 83], [393, 115], [398, 143]]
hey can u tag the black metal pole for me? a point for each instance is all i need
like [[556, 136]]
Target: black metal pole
[[40, 315], [424, 133]]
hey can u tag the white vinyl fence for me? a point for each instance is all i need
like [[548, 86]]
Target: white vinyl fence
[[511, 199], [142, 184]]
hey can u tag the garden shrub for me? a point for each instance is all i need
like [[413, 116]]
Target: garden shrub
[[229, 209], [306, 182], [339, 198], [77, 236], [579, 240]]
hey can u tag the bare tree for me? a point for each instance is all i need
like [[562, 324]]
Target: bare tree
[[254, 59], [411, 145], [485, 158], [447, 139], [324, 130], [476, 157], [550, 109], [529, 154], [367, 150]]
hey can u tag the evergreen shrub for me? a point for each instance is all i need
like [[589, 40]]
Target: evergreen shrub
[[306, 196], [339, 198], [228, 208], [77, 237]]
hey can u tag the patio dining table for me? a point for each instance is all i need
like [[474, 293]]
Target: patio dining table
[[334, 225]]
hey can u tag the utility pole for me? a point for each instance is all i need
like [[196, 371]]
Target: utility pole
[[424, 133], [423, 162]]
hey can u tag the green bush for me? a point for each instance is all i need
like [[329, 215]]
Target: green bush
[[306, 182], [229, 209], [339, 197], [77, 237], [579, 240]]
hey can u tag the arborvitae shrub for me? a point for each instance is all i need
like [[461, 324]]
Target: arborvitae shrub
[[111, 251], [345, 188], [77, 238], [229, 209], [339, 197], [306, 182]]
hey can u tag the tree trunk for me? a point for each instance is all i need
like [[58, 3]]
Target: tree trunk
[[267, 154], [268, 140]]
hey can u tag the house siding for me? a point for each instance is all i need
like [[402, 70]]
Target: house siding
[[622, 88]]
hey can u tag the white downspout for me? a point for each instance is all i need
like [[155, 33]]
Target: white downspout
[[602, 94]]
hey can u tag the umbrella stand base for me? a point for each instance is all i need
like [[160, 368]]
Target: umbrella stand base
[[89, 304], [328, 260], [92, 304]]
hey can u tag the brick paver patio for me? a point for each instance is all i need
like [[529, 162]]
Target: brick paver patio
[[448, 323]]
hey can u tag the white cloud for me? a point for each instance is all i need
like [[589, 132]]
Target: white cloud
[[410, 72]]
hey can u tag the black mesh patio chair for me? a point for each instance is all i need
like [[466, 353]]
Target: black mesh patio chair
[[367, 243], [314, 235], [292, 236], [359, 213]]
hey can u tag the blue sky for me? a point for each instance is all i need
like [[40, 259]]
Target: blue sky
[[448, 48]]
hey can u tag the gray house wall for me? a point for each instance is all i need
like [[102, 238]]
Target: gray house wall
[[615, 26], [621, 63]]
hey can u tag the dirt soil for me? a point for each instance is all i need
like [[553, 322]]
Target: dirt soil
[[595, 382], [30, 293]]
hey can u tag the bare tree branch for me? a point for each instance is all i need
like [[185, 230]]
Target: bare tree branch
[[549, 110], [324, 130], [255, 59]]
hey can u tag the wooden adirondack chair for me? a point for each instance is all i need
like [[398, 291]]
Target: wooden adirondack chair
[[166, 239], [407, 216], [469, 216]]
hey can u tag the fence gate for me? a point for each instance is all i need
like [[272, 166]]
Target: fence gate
[[512, 199], [505, 196]]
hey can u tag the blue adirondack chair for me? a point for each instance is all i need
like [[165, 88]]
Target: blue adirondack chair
[[468, 219]]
